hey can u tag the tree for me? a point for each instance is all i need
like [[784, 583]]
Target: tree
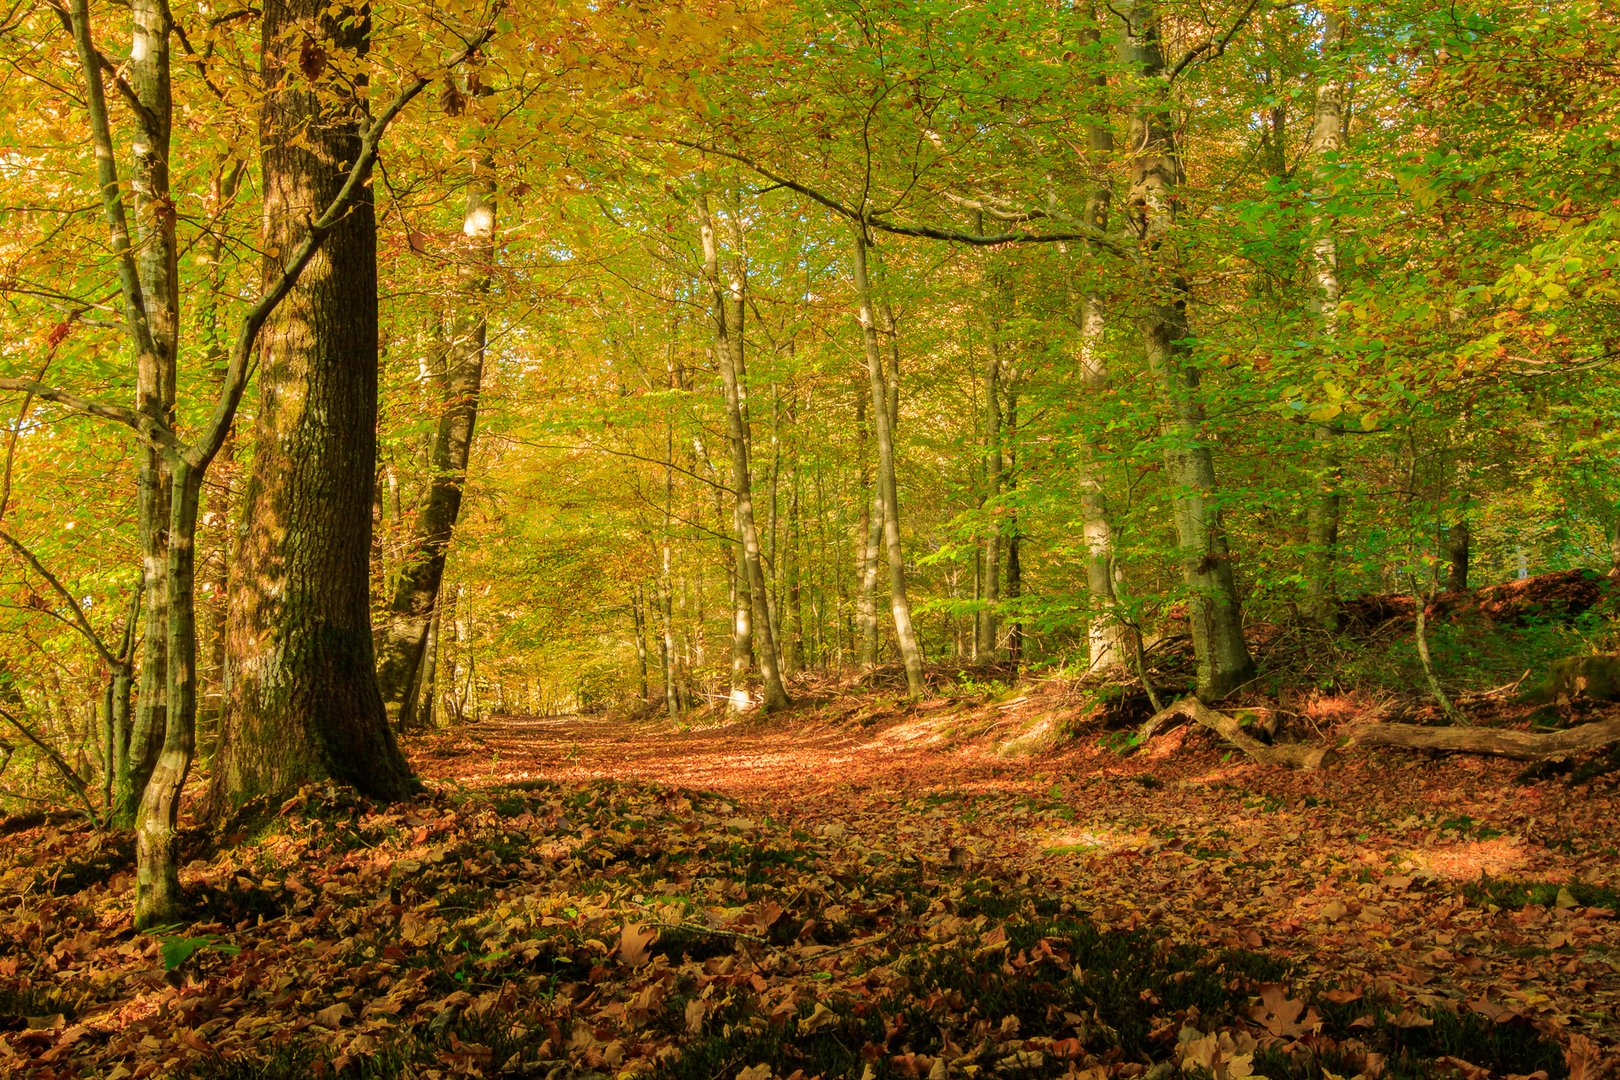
[[304, 702]]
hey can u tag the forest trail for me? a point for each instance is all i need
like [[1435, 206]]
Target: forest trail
[[589, 894], [1435, 880], [753, 759]]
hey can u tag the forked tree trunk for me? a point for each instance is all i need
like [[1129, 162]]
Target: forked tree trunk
[[304, 703], [888, 489], [1215, 613], [403, 639]]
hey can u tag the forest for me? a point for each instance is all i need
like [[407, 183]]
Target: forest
[[736, 539]]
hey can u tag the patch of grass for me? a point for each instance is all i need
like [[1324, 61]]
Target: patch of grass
[[1507, 893]]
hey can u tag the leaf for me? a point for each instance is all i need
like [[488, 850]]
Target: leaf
[[634, 940], [333, 1015]]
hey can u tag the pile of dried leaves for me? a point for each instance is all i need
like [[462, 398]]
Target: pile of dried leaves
[[581, 898]]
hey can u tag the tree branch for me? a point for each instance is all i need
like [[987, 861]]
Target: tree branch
[[1214, 48], [1088, 234], [239, 366], [56, 759], [78, 622]]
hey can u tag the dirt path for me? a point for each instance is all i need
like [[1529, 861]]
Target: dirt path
[[1434, 879], [740, 761]]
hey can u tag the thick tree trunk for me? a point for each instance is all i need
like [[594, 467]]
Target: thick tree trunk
[[304, 703], [404, 636], [1458, 550], [1324, 512], [728, 306], [1214, 612], [887, 487]]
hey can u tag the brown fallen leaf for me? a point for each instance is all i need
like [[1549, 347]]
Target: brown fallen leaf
[[634, 940]]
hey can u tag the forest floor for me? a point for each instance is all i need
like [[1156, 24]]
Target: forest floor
[[860, 891]]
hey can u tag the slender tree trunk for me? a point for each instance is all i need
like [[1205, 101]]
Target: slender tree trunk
[[1325, 508], [1015, 564], [888, 489], [1106, 635], [984, 624], [158, 899], [728, 305], [1215, 613], [1458, 544], [870, 543], [215, 540], [638, 619], [304, 703], [404, 635], [155, 261]]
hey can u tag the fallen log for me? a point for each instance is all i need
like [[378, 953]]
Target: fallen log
[[1523, 745], [1288, 755]]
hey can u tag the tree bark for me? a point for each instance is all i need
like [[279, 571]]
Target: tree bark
[[728, 306], [985, 636], [155, 262], [1523, 745], [870, 541], [1106, 635], [1325, 509], [1288, 755], [403, 639], [1215, 613], [304, 702], [887, 487]]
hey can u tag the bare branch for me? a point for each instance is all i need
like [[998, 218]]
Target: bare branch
[[78, 622]]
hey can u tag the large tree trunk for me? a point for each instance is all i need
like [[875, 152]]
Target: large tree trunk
[[304, 703], [410, 611], [155, 261], [1215, 613], [728, 307], [1323, 514], [883, 410]]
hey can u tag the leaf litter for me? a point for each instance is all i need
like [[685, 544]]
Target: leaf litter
[[587, 897]]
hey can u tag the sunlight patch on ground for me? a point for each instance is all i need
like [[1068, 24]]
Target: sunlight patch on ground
[[1468, 860], [1072, 841]]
